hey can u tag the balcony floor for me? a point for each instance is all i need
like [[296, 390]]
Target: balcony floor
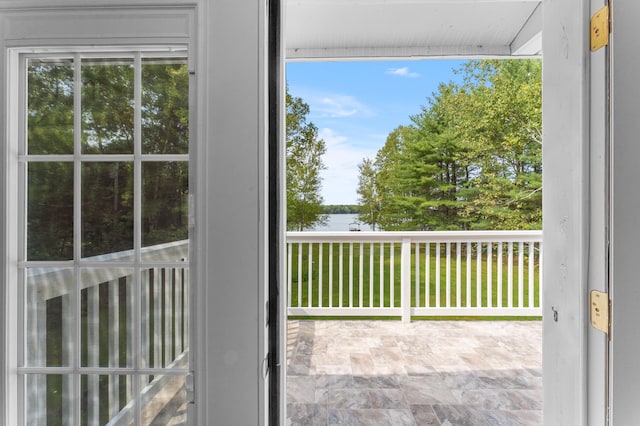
[[423, 373]]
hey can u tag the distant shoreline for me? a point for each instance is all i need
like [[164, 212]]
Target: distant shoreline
[[340, 222], [341, 209]]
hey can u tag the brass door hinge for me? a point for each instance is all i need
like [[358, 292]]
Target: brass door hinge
[[599, 302], [600, 28]]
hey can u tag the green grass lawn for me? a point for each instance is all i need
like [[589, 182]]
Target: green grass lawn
[[386, 280]]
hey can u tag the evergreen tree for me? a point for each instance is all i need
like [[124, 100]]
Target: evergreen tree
[[471, 159]]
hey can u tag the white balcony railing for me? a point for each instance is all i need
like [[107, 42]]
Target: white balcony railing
[[119, 317], [405, 274]]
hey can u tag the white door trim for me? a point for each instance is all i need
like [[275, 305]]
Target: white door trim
[[566, 208]]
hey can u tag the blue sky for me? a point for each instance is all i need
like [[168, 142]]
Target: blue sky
[[355, 105]]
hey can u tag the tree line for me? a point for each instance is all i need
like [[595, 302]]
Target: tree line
[[471, 159], [341, 209]]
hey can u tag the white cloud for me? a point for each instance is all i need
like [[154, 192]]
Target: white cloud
[[403, 72], [331, 138], [343, 106], [338, 106], [335, 105], [340, 179]]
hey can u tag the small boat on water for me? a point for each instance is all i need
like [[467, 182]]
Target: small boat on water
[[354, 226]]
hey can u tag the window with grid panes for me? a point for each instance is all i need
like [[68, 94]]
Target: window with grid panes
[[103, 234]]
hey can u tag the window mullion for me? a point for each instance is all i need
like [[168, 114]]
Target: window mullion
[[77, 238], [18, 336], [77, 152], [137, 235], [137, 154]]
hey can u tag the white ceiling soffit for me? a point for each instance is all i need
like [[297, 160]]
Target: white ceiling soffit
[[387, 29]]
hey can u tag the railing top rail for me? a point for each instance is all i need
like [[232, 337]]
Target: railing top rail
[[416, 236], [55, 278], [167, 253], [158, 252]]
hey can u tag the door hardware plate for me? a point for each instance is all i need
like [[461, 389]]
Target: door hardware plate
[[599, 302], [599, 28]]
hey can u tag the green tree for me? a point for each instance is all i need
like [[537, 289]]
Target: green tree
[[304, 164], [435, 166], [394, 210], [471, 159], [502, 119], [369, 198]]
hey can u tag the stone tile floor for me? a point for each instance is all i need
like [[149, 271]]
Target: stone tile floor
[[472, 373]]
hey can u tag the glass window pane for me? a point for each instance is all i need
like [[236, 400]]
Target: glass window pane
[[165, 106], [50, 211], [107, 399], [164, 307], [50, 106], [107, 106], [49, 315], [107, 317], [49, 399], [107, 210], [165, 204]]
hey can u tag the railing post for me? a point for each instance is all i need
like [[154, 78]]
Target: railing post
[[93, 353], [114, 345], [405, 280], [36, 354]]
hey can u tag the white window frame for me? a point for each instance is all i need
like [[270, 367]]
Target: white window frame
[[40, 31]]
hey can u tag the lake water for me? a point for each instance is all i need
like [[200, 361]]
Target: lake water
[[340, 222]]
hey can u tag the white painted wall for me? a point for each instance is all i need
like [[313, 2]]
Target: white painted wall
[[234, 273]]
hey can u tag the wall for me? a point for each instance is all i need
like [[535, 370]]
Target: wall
[[235, 185]]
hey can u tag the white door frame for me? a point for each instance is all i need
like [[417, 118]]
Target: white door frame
[[574, 214], [597, 341], [565, 210]]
